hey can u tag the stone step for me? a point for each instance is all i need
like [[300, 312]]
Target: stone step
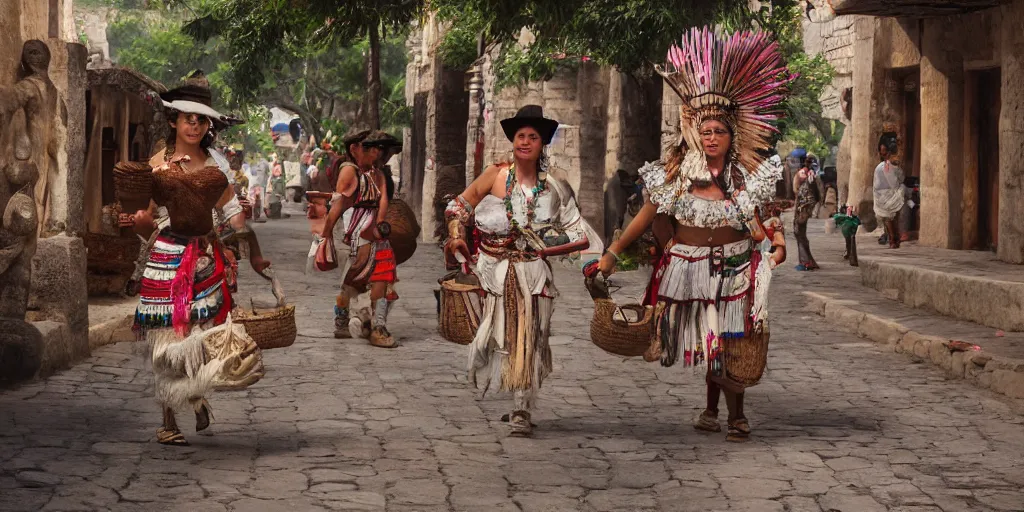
[[990, 359], [988, 293]]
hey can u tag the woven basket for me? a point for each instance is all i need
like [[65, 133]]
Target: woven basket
[[133, 185], [273, 329], [746, 358], [618, 336], [404, 230], [458, 317], [108, 254]]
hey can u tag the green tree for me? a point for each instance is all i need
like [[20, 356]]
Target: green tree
[[627, 34], [316, 82], [263, 36]]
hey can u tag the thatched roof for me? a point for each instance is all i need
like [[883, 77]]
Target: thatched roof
[[125, 79]]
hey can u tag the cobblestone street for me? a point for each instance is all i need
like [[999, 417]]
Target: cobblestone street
[[838, 423]]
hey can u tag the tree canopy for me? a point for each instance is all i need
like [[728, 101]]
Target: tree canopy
[[264, 36], [630, 35], [321, 83]]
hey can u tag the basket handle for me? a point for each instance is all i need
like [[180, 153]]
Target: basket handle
[[644, 314], [275, 286]]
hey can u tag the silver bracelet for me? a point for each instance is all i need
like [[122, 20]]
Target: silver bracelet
[[617, 258]]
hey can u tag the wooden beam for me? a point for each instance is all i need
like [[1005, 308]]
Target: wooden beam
[[912, 8]]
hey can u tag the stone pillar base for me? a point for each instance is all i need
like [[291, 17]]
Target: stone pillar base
[[21, 350]]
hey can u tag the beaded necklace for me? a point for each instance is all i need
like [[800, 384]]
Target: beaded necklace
[[531, 200]]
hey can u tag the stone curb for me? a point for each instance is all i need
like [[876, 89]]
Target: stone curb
[[112, 331], [1002, 375]]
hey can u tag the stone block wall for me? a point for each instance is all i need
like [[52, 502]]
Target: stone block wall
[[59, 295], [606, 121], [54, 131]]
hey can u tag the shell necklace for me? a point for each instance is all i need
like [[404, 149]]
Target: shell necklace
[[511, 184]]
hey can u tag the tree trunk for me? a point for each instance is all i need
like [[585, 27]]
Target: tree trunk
[[373, 86]]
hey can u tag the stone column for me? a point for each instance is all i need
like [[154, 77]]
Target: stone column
[[1011, 136], [866, 121], [670, 103], [67, 191], [942, 125], [475, 124], [593, 88], [843, 160]]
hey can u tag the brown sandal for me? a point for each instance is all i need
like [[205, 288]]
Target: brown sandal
[[520, 423], [170, 437], [708, 422], [739, 431]]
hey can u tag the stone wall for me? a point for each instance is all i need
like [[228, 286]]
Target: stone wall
[[1011, 135], [434, 153], [43, 138], [938, 55], [92, 22], [606, 121]]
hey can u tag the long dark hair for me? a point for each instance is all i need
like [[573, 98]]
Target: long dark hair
[[172, 135]]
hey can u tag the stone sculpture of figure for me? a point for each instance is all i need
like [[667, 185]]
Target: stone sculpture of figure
[[26, 149]]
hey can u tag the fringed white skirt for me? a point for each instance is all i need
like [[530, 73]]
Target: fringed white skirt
[[706, 294]]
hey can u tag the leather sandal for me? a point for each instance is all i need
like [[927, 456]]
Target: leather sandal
[[170, 437], [520, 423], [739, 431], [708, 422], [505, 418]]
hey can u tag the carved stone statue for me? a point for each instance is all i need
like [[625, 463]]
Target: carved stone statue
[[27, 146]]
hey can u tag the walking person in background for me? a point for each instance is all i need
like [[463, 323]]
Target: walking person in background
[[807, 197], [361, 203], [258, 175], [276, 192], [889, 192], [848, 222]]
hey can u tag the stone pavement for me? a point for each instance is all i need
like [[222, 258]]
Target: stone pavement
[[839, 424], [836, 293]]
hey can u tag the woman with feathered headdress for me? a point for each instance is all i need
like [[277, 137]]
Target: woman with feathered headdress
[[716, 185]]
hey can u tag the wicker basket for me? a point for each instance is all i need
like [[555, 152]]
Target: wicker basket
[[106, 254], [618, 336], [133, 185], [461, 306], [273, 329], [404, 230], [610, 330], [746, 358]]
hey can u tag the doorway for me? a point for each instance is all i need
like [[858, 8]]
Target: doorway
[[988, 83]]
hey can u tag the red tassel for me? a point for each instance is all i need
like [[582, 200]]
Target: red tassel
[[227, 304], [182, 288]]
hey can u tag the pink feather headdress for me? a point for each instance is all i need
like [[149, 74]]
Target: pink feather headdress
[[739, 79]]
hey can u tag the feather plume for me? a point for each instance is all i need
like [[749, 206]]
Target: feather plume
[[739, 79]]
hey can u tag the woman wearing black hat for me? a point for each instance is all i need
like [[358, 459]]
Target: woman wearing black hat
[[524, 217], [185, 290]]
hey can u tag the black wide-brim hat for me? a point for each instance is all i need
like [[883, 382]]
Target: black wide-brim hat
[[194, 97], [383, 140], [532, 116]]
